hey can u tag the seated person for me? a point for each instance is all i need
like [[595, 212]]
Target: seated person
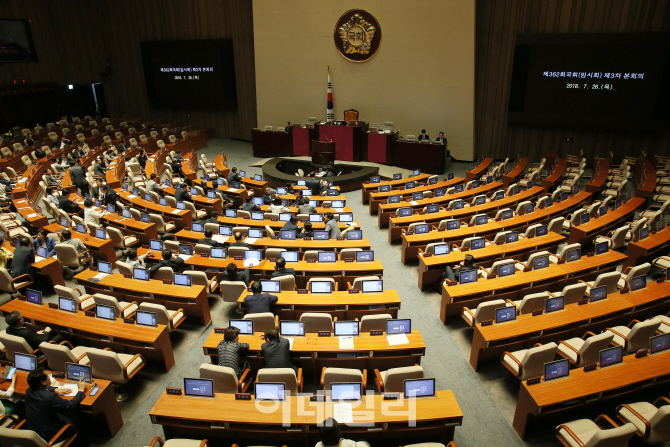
[[43, 240], [207, 240], [306, 231], [76, 242], [176, 264], [213, 218], [281, 270], [238, 241], [276, 351], [232, 273], [229, 350], [233, 176], [466, 265], [330, 436], [304, 207], [248, 205], [16, 327], [292, 224], [269, 196], [259, 301], [331, 226], [23, 259], [133, 260], [277, 207]]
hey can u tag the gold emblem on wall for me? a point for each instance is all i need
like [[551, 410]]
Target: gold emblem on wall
[[357, 35]]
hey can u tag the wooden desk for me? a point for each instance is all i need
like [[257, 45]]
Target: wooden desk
[[618, 382], [386, 210], [200, 202], [276, 225], [515, 173], [105, 248], [642, 251], [372, 187], [258, 187], [313, 353], [491, 341], [181, 218], [341, 271], [26, 210], [598, 180], [398, 225], [103, 405], [292, 197], [221, 164], [555, 277], [270, 143], [296, 420], [551, 180], [601, 225], [432, 267], [644, 173], [49, 268], [153, 343], [192, 299], [478, 170], [319, 209], [377, 198], [237, 195]]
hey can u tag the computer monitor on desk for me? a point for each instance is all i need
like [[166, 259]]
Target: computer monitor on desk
[[419, 388], [145, 318], [505, 314], [345, 391], [556, 370], [354, 235], [25, 362], [76, 372], [659, 343], [345, 328], [34, 297], [598, 294], [554, 304], [365, 256], [246, 327], [320, 287], [270, 286], [199, 387], [540, 262], [611, 356], [400, 326], [269, 391], [468, 277], [292, 328], [67, 304], [441, 249]]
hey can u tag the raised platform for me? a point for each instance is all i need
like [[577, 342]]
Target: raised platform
[[278, 171]]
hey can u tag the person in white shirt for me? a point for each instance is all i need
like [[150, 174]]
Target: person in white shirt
[[136, 261], [90, 214], [9, 409], [152, 185], [330, 436], [51, 197], [277, 207]]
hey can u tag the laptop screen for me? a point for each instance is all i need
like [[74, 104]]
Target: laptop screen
[[197, 227], [288, 235], [345, 391], [257, 215], [256, 232], [598, 293], [345, 328], [417, 196], [453, 224], [500, 195], [506, 270], [147, 197], [25, 362], [399, 326], [81, 228], [104, 267], [574, 254], [554, 304], [285, 217], [548, 201], [186, 249], [321, 235], [292, 328], [480, 200], [442, 249], [253, 254], [468, 277], [410, 185], [458, 204], [556, 370], [397, 176], [67, 304], [505, 314], [584, 218], [564, 196], [507, 214], [419, 388], [511, 237], [439, 192], [301, 182], [246, 327], [327, 256], [529, 208], [421, 228], [230, 213], [416, 172], [290, 256], [375, 179], [76, 372], [432, 180], [258, 177], [373, 286], [516, 190], [603, 211], [126, 213], [145, 218], [161, 201], [541, 262], [346, 217], [611, 356], [338, 203], [404, 212], [477, 244], [33, 296], [644, 233], [450, 176], [365, 256], [475, 184], [638, 282], [182, 279], [225, 231], [458, 188], [105, 312], [602, 247], [146, 318], [181, 206], [198, 387], [141, 273], [194, 192], [271, 286], [320, 286], [269, 391], [306, 193], [659, 343]]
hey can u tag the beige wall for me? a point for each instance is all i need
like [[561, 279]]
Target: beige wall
[[421, 77]]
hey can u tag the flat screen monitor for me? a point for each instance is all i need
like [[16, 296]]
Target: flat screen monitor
[[186, 249], [516, 190], [258, 201], [554, 304], [253, 254], [126, 213], [81, 228], [105, 267], [316, 217], [548, 202], [556, 370], [598, 293], [417, 196], [320, 287], [375, 179], [327, 256], [141, 274], [505, 314], [481, 219], [285, 217], [306, 193], [659, 343], [441, 249], [617, 203], [512, 236], [354, 235], [468, 277], [292, 328], [644, 233], [345, 328], [419, 388], [506, 270], [432, 208], [301, 183], [404, 212], [372, 286], [199, 387], [33, 296], [182, 206], [638, 282], [416, 172], [271, 286], [603, 211], [432, 180], [338, 203], [287, 235], [394, 199], [611, 356], [25, 362], [281, 191], [365, 256], [475, 184], [397, 176], [231, 214], [541, 230], [403, 326], [439, 192], [500, 195], [489, 179], [67, 304], [256, 233], [257, 215], [453, 224], [410, 185], [602, 247], [218, 253], [290, 256], [246, 327], [421, 228], [194, 192], [105, 312], [182, 279], [346, 217], [145, 218], [384, 188], [450, 176], [147, 197], [480, 200], [313, 203], [243, 174], [574, 254], [225, 231], [258, 177], [575, 190], [197, 227], [162, 201], [321, 235], [345, 391], [660, 225], [458, 204], [529, 208], [564, 196], [219, 181], [540, 262], [146, 318], [477, 244], [111, 208]]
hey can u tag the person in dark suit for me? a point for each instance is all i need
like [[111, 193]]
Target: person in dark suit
[[63, 142], [45, 407], [122, 145], [30, 141], [176, 264], [68, 205], [100, 168], [207, 240], [276, 350], [424, 136], [292, 224], [232, 273], [16, 327], [313, 184], [205, 188], [248, 205], [213, 218], [281, 270], [466, 265], [142, 158], [441, 139], [238, 241], [233, 176], [306, 231], [269, 196], [108, 196], [288, 127], [259, 301], [78, 177], [182, 195], [95, 193], [39, 153]]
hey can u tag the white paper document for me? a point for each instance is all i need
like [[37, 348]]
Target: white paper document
[[132, 196], [346, 343], [232, 190], [251, 240], [73, 387], [414, 202], [397, 339], [39, 258], [30, 216], [219, 238], [185, 257], [343, 413], [175, 211], [99, 276], [339, 210]]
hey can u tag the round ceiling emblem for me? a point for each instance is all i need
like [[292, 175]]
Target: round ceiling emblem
[[357, 35]]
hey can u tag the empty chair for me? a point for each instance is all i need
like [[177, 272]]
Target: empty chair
[[615, 238], [236, 251], [122, 309], [224, 378], [358, 282], [200, 278], [556, 224], [393, 380], [638, 270], [376, 322], [59, 354], [13, 285], [287, 376], [585, 432], [651, 420], [164, 273], [606, 279], [84, 301], [195, 214], [562, 253], [231, 290], [635, 336], [28, 438], [274, 253], [124, 268], [485, 311], [170, 318], [349, 253], [430, 248], [312, 254], [573, 219], [527, 363], [317, 322], [584, 350], [530, 303], [262, 321], [337, 375], [286, 282], [529, 262], [119, 239], [117, 368], [203, 249], [494, 269], [161, 226], [572, 293], [14, 344]]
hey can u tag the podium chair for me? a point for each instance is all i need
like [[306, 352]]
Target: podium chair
[[350, 115]]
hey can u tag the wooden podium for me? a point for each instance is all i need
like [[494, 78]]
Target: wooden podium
[[322, 152]]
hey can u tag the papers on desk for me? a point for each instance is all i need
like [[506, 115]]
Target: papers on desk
[[132, 196], [99, 276], [413, 202], [219, 238], [339, 210], [30, 216], [232, 189], [346, 343], [73, 387], [397, 339], [343, 413], [251, 240], [185, 257], [39, 258], [21, 201], [175, 211]]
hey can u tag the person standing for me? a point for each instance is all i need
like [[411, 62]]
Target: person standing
[[331, 226]]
